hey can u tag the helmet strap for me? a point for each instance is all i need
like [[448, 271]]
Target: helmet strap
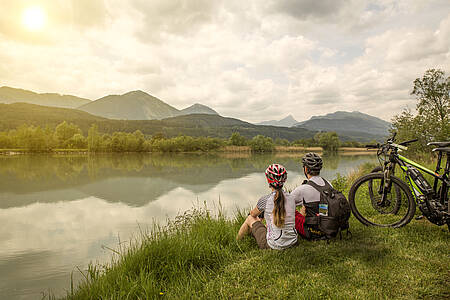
[[306, 174]]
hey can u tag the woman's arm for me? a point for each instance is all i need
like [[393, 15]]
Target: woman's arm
[[255, 212]]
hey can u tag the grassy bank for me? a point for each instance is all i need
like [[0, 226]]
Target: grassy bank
[[197, 256]]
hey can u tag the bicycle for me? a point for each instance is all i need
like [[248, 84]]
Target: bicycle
[[382, 199]]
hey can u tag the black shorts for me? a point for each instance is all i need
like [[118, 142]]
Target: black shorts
[[259, 231]]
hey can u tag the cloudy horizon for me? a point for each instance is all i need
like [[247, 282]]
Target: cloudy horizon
[[252, 60]]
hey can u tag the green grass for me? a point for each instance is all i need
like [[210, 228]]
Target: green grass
[[196, 256]]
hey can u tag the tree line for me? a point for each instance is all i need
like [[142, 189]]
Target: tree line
[[70, 136], [431, 121]]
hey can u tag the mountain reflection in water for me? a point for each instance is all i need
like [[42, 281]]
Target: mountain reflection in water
[[135, 179]]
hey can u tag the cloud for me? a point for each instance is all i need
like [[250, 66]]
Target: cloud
[[246, 59], [309, 8], [177, 17]]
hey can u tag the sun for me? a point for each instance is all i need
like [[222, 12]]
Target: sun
[[33, 18]]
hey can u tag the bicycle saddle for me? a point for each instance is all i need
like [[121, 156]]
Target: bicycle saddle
[[439, 144], [442, 149]]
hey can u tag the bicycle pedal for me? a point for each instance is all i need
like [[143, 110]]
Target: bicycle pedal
[[419, 217]]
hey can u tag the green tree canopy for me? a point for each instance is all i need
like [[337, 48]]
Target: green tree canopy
[[237, 140], [65, 131], [329, 141], [432, 92], [432, 122], [261, 143]]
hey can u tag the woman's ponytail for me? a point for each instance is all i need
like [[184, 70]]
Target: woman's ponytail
[[279, 211]]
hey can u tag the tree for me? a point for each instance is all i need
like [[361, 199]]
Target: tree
[[64, 132], [94, 139], [78, 141], [432, 122], [409, 127], [281, 142], [329, 141], [237, 140], [140, 139], [432, 92], [262, 144]]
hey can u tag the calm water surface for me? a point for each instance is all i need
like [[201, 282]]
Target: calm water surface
[[58, 213]]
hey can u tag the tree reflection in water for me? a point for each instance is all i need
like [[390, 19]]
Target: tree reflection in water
[[136, 179]]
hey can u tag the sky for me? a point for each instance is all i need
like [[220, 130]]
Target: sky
[[254, 60]]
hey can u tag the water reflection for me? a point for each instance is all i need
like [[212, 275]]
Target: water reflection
[[133, 179], [57, 212]]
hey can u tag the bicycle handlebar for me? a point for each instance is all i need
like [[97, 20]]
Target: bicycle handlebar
[[373, 146], [390, 143], [408, 142]]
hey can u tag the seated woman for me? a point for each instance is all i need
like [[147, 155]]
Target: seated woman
[[279, 209]]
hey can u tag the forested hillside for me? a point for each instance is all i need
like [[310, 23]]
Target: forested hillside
[[14, 115]]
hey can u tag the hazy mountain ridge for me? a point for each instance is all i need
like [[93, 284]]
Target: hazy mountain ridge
[[138, 105], [285, 122], [134, 105], [10, 95], [353, 124], [16, 114]]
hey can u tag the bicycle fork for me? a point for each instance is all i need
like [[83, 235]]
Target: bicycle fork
[[385, 187]]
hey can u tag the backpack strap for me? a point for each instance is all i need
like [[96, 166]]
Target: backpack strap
[[319, 188]]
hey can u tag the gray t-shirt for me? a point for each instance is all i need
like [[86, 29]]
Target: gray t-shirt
[[306, 193], [279, 237]]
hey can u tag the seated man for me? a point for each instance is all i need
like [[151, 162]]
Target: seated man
[[308, 196]]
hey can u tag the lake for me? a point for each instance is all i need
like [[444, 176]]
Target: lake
[[58, 213]]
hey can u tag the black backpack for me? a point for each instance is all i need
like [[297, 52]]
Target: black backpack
[[329, 216]]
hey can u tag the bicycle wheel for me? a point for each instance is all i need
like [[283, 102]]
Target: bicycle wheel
[[393, 209], [396, 211]]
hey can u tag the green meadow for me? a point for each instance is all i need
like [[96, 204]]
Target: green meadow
[[196, 256]]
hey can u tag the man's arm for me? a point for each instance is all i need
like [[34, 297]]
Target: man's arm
[[297, 193]]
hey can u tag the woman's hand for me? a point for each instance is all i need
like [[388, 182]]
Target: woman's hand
[[255, 212]]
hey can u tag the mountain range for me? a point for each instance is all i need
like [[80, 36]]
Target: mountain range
[[356, 125], [15, 114], [195, 120], [135, 105], [285, 122]]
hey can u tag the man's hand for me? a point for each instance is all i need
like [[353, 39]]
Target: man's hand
[[303, 211]]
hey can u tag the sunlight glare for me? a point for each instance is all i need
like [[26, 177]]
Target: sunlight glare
[[33, 18]]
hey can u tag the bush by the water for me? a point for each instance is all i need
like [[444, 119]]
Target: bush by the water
[[262, 144]]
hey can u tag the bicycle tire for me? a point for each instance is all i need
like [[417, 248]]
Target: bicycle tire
[[362, 208], [398, 202]]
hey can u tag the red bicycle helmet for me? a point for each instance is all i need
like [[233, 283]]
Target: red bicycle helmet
[[276, 175]]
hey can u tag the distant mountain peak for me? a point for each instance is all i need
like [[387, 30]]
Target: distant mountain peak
[[136, 93], [198, 105], [198, 108], [289, 118], [355, 124], [285, 122]]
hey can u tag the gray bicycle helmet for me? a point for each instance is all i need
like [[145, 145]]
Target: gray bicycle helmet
[[313, 161]]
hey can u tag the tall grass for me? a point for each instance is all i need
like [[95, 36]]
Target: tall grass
[[196, 256]]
